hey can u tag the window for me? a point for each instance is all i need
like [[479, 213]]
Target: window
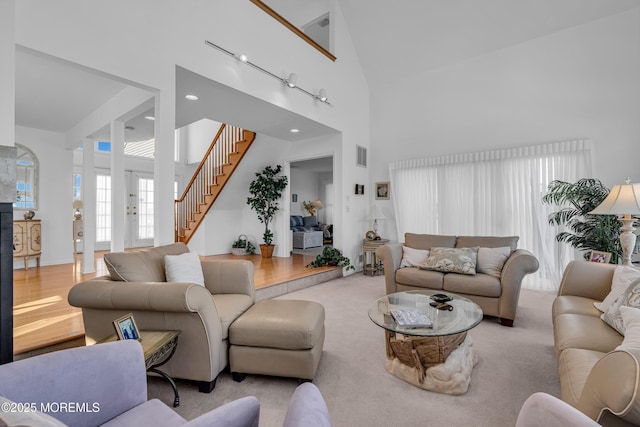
[[26, 179], [103, 208]]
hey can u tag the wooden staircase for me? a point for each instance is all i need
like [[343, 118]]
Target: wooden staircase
[[223, 156]]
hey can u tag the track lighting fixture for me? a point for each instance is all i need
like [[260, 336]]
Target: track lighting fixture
[[291, 81]]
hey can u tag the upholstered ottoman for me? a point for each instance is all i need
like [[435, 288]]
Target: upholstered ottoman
[[277, 337]]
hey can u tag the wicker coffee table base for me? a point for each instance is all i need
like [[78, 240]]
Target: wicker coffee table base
[[440, 364]]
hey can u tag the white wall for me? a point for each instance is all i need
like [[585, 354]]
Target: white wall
[[55, 166], [305, 185], [67, 29], [583, 82]]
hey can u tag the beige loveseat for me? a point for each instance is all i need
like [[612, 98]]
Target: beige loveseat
[[137, 284], [497, 295], [597, 379]]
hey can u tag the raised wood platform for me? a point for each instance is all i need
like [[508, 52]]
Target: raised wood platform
[[43, 317]]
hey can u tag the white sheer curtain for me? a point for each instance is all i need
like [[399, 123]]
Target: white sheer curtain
[[492, 193]]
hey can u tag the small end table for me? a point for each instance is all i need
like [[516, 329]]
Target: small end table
[[158, 347], [375, 266]]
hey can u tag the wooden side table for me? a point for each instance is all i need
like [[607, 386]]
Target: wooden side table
[[158, 348], [373, 266]]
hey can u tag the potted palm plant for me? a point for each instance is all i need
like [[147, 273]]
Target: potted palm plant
[[585, 232], [265, 192]]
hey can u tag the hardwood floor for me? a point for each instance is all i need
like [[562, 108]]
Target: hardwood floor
[[43, 317]]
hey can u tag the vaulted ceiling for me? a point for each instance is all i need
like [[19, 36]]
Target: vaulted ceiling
[[393, 40]]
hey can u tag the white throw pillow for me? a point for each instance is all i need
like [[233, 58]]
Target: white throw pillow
[[622, 278], [631, 320], [413, 257], [630, 298], [491, 260], [184, 268]]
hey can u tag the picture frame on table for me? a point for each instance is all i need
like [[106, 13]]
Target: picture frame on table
[[382, 190], [599, 256], [126, 328]]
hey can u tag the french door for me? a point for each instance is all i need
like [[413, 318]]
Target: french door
[[138, 210]]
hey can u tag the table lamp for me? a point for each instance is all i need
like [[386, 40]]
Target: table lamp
[[77, 214], [375, 214], [318, 205], [623, 200]]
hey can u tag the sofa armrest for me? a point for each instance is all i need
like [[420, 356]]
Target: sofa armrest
[[243, 412], [391, 256], [307, 408], [106, 294], [112, 375], [519, 264], [542, 409], [587, 279], [612, 386], [229, 277]]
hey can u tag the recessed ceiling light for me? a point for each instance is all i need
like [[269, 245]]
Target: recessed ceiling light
[[149, 117], [295, 130], [191, 97], [242, 57]]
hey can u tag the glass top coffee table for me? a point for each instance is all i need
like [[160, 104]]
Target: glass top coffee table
[[418, 355]]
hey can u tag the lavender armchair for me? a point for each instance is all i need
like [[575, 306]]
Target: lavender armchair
[[107, 385]]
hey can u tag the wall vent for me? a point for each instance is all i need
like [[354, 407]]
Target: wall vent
[[361, 156]]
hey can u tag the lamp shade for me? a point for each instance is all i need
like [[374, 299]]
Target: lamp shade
[[623, 199], [318, 204], [77, 204], [375, 213]]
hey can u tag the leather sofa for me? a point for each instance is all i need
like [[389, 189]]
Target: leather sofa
[[596, 378], [497, 296], [137, 284]]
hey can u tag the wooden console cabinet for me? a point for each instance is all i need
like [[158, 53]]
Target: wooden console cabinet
[[27, 240]]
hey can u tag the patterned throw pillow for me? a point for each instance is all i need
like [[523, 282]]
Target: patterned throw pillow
[[629, 298], [452, 260], [622, 278]]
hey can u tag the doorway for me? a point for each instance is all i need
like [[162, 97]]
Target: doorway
[[139, 209]]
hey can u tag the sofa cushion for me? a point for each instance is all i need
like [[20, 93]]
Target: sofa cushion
[[10, 415], [413, 257], [631, 298], [623, 276], [487, 242], [310, 222], [573, 304], [150, 413], [296, 221], [230, 307], [420, 278], [574, 366], [141, 266], [480, 285], [452, 260], [586, 332], [491, 260], [427, 241], [184, 268]]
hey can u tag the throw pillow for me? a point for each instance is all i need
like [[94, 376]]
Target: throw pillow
[[622, 278], [184, 268], [29, 417], [630, 298], [631, 321], [452, 260], [491, 260], [413, 257]]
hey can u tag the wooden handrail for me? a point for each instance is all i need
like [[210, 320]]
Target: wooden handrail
[[209, 178]]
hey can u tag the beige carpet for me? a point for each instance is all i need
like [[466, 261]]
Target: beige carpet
[[513, 363]]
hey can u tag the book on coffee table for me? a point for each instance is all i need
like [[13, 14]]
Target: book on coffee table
[[411, 318]]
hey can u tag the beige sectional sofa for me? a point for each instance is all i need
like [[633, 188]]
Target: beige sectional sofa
[[137, 284], [496, 294], [596, 378]]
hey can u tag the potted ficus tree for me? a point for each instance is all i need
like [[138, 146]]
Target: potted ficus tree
[[266, 190]]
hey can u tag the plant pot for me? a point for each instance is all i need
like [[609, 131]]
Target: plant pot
[[267, 250]]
